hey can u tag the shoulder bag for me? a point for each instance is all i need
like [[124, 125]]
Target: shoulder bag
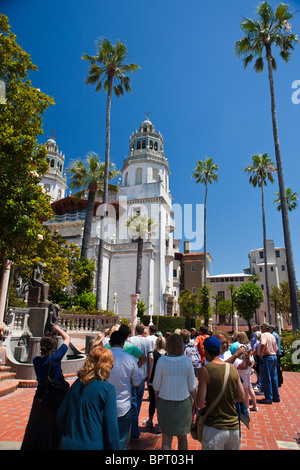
[[197, 425], [55, 389]]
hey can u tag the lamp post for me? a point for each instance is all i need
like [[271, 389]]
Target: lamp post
[[235, 317], [150, 322], [279, 323], [115, 301]]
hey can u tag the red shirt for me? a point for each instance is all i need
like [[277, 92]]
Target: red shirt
[[199, 343]]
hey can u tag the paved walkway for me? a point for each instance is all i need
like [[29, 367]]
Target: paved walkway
[[273, 427]]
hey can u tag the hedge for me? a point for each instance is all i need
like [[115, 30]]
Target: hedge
[[167, 323]]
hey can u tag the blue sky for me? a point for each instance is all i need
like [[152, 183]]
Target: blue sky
[[200, 98]]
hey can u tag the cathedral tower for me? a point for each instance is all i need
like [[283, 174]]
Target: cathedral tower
[[145, 190], [55, 181]]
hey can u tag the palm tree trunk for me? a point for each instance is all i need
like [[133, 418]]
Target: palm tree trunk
[[284, 209], [205, 200], [88, 224], [105, 192], [139, 264], [265, 252]]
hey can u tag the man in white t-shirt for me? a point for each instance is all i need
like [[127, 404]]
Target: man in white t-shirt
[[144, 345], [124, 374], [152, 336]]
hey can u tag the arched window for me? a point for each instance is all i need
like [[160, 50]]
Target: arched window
[[151, 145], [47, 188], [155, 174], [138, 145], [138, 176], [155, 146], [126, 179], [59, 194], [52, 163], [143, 144]]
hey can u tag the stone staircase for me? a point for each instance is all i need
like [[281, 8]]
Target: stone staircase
[[8, 382]]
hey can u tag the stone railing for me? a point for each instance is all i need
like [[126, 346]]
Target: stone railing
[[80, 323], [17, 322]]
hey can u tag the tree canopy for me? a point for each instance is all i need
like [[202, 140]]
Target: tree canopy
[[247, 298], [24, 204]]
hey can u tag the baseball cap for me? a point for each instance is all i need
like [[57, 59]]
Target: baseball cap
[[212, 345]]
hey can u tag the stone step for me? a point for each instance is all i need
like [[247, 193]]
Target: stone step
[[8, 386], [7, 376]]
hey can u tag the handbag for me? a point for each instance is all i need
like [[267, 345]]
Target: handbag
[[197, 426], [55, 390]]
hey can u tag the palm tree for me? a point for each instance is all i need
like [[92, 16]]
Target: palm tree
[[108, 69], [262, 169], [140, 228], [89, 176], [205, 172], [291, 200], [273, 28]]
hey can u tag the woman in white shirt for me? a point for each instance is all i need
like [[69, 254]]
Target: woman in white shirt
[[244, 366], [174, 383]]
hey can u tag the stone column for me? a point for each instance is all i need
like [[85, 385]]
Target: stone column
[[4, 286], [33, 348], [134, 303]]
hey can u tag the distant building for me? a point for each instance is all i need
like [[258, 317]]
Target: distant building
[[188, 270], [277, 273]]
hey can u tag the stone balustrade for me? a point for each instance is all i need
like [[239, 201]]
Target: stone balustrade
[[17, 322], [80, 323]]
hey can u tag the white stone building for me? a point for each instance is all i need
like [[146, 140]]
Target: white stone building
[[55, 180], [144, 190], [277, 273]]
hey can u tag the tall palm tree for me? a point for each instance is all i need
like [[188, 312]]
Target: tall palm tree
[[89, 176], [205, 172], [291, 200], [262, 169], [140, 228], [273, 28], [108, 69]]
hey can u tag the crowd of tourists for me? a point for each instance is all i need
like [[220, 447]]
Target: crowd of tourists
[[182, 374]]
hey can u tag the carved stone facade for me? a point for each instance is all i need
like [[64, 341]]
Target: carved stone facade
[[144, 190]]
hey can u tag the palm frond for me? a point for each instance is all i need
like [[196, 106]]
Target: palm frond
[[259, 65]]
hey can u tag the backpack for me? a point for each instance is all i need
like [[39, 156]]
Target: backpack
[[192, 352]]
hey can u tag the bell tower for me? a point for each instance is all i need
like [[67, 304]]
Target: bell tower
[[146, 163], [55, 180], [145, 191]]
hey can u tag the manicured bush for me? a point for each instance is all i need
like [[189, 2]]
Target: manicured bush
[[165, 323]]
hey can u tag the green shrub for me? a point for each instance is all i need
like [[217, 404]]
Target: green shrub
[[86, 300], [165, 323]]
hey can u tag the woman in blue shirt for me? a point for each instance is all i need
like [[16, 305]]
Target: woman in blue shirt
[[88, 414]]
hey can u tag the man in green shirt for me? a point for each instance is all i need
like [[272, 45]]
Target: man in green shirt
[[130, 348]]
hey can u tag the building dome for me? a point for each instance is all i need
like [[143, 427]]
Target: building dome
[[146, 126]]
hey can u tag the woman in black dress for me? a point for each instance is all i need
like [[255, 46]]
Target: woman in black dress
[[42, 432]]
